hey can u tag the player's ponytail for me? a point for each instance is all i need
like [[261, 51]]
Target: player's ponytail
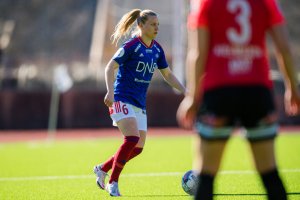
[[125, 24]]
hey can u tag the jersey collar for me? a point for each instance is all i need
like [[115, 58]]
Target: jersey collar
[[150, 46]]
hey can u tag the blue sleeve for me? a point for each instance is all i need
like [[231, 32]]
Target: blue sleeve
[[162, 62], [121, 55]]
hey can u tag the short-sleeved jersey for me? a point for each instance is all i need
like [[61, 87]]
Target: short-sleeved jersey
[[237, 53], [137, 63]]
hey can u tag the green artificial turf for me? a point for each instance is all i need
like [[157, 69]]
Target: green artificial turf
[[63, 169]]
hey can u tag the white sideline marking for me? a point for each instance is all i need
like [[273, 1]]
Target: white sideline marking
[[131, 175]]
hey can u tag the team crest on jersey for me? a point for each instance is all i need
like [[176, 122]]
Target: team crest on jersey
[[156, 55], [119, 53]]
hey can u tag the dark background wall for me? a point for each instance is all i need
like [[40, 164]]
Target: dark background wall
[[77, 109], [85, 109]]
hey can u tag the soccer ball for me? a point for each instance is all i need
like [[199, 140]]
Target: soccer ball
[[189, 182]]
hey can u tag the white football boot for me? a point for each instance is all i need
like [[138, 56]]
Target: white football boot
[[113, 189], [101, 175]]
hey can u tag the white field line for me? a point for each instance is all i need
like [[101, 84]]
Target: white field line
[[237, 172]]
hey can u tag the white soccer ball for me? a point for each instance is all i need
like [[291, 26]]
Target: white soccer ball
[[189, 182]]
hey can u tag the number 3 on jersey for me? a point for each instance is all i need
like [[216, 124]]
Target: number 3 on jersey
[[242, 10]]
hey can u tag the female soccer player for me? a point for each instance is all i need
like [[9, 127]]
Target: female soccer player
[[228, 83], [136, 60]]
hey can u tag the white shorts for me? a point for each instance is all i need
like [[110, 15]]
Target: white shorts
[[121, 110]]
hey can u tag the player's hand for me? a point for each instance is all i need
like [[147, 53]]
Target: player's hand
[[186, 113], [292, 103], [109, 99]]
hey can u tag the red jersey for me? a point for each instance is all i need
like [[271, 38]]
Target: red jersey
[[237, 52]]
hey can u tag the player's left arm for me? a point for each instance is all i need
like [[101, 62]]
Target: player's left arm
[[279, 34], [171, 79]]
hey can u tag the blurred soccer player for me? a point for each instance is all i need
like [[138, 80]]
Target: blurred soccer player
[[229, 84], [136, 61]]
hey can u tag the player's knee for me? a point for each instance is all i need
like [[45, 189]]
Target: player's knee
[[132, 139]]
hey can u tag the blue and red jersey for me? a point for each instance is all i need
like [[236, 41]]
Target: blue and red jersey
[[137, 63]]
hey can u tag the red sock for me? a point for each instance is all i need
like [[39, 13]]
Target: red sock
[[136, 151], [121, 157], [107, 165]]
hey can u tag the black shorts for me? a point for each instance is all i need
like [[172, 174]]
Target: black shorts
[[245, 106]]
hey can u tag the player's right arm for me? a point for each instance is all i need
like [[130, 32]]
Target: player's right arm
[[109, 81], [286, 65], [196, 58]]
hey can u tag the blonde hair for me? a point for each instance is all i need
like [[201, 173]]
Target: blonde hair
[[124, 26]]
